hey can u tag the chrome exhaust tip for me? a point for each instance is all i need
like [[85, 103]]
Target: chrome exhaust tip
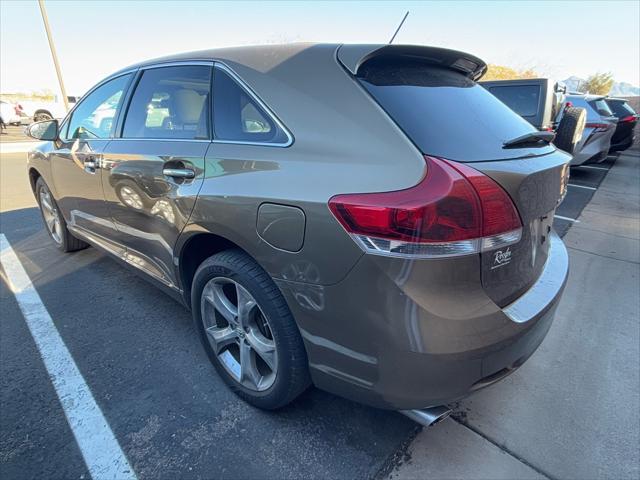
[[428, 416]]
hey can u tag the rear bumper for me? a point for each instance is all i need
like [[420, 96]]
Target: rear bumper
[[401, 348]]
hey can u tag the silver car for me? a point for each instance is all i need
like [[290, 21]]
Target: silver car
[[600, 127]]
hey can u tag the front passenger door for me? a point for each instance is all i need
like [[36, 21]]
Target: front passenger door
[[152, 174], [76, 160]]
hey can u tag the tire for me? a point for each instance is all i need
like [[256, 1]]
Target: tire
[[42, 115], [284, 374], [54, 221], [570, 130]]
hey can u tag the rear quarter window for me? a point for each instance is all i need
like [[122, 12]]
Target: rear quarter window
[[445, 113], [238, 117]]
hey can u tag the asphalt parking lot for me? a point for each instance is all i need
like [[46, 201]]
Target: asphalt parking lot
[[570, 412]]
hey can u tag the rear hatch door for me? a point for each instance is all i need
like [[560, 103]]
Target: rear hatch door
[[447, 115]]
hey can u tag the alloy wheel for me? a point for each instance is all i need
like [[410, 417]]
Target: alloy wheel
[[239, 333], [51, 215]]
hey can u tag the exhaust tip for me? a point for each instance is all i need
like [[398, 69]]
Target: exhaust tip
[[428, 416]]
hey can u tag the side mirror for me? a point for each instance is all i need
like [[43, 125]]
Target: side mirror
[[560, 88], [46, 130]]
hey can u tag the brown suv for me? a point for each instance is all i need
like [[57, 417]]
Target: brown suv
[[365, 218]]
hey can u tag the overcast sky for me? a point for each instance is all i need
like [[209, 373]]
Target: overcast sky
[[557, 39]]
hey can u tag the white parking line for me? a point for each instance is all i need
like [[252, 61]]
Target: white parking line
[[100, 449], [592, 167], [581, 186], [566, 218]]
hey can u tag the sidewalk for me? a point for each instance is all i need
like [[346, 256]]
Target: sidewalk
[[572, 411]]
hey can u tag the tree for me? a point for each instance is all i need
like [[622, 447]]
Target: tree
[[597, 84], [500, 72]]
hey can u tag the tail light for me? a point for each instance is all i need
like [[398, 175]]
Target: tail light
[[455, 210], [628, 119], [599, 127]]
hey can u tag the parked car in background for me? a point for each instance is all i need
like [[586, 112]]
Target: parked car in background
[[627, 117], [540, 101], [598, 131], [293, 198], [40, 111]]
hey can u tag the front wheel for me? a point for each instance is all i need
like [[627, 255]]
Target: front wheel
[[248, 331], [54, 221]]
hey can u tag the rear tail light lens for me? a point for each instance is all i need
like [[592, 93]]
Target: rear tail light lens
[[599, 127], [454, 210], [628, 119]]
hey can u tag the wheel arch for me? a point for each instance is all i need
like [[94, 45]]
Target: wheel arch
[[194, 250], [34, 174]]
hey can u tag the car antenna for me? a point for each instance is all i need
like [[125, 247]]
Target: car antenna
[[399, 27]]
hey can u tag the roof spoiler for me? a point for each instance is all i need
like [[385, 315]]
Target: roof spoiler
[[354, 56]]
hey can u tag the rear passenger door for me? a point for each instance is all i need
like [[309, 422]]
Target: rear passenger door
[[153, 169]]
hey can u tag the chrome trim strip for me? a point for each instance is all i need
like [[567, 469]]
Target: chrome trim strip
[[135, 139], [243, 85], [546, 288], [177, 63], [257, 99]]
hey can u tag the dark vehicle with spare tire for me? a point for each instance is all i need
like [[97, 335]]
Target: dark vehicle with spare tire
[[363, 218], [541, 102]]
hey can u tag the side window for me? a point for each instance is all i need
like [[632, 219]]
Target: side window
[[238, 117], [94, 116], [170, 103], [601, 107]]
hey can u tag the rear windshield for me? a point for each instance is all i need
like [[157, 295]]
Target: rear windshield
[[522, 99], [601, 107], [621, 109], [445, 113]]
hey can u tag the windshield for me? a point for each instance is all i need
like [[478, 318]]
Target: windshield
[[445, 113]]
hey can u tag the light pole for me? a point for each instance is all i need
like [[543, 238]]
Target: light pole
[[53, 54]]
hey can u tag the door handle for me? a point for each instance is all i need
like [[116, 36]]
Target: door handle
[[178, 172]]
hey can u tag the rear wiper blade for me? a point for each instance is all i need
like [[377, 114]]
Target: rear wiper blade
[[530, 138]]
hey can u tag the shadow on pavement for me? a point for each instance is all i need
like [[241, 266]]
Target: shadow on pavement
[[171, 413]]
